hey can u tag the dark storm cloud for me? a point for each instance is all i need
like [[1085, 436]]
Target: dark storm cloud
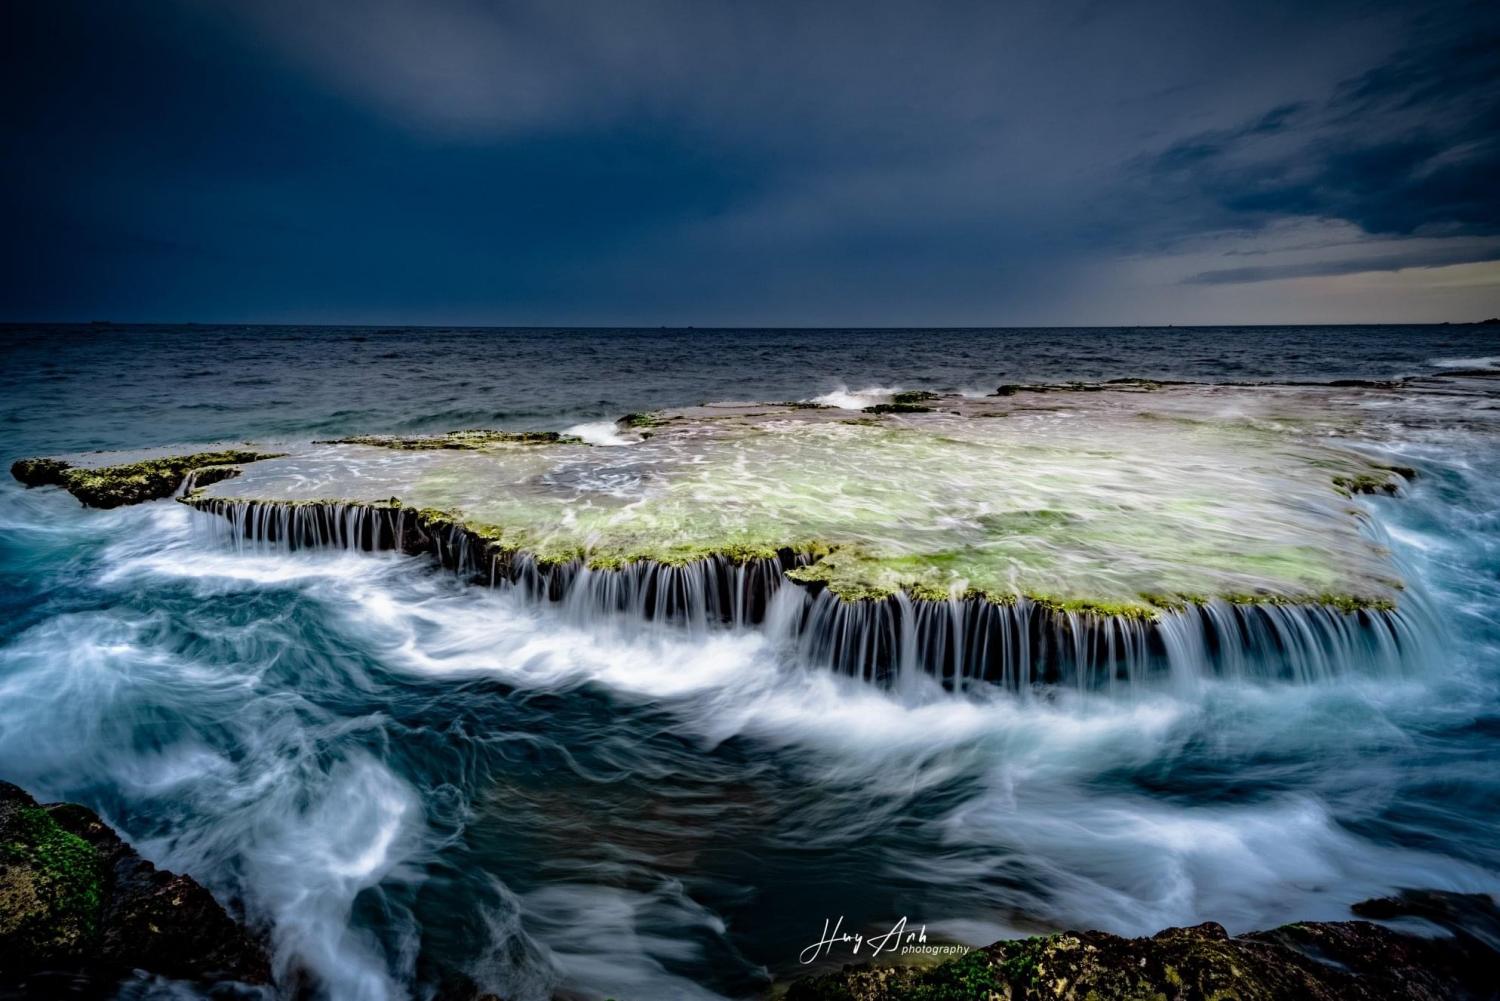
[[1408, 147], [680, 161]]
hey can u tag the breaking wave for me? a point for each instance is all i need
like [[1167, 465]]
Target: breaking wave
[[857, 399]]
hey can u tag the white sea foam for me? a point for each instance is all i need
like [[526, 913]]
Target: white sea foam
[[599, 433], [857, 399], [1128, 862], [618, 942], [1483, 363], [260, 806]]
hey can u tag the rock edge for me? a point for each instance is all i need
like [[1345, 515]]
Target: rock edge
[[1311, 961], [77, 900]]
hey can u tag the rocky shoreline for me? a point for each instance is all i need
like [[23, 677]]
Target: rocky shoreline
[[1455, 958], [80, 910]]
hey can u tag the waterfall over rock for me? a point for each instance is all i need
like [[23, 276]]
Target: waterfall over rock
[[958, 641]]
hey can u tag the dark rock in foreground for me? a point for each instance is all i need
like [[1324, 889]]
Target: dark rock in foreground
[[1315, 961], [75, 899]]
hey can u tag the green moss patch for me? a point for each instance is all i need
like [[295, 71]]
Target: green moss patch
[[51, 888]]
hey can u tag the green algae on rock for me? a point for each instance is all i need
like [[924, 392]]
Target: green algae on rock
[[476, 439], [133, 482]]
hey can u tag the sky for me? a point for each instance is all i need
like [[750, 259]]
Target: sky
[[694, 162]]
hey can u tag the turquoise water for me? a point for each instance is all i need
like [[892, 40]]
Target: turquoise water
[[400, 778]]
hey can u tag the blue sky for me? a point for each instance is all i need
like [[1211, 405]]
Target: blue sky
[[663, 162]]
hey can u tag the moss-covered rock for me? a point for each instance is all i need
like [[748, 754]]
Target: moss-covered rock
[[50, 887], [39, 472], [473, 440], [75, 898], [1365, 483], [897, 407], [132, 482], [1317, 961]]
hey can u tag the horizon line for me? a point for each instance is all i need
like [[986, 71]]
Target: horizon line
[[1489, 321]]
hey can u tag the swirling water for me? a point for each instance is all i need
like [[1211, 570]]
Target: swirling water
[[399, 777]]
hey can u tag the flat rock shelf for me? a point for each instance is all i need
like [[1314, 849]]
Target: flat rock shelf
[[1079, 534]]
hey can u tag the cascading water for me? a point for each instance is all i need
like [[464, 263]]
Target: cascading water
[[401, 778], [959, 642]]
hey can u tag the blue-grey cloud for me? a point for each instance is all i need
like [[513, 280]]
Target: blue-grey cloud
[[1409, 147], [1427, 258], [694, 161]]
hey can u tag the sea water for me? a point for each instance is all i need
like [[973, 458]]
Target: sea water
[[397, 776]]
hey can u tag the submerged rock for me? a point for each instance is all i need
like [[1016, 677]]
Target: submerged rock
[[1314, 961], [75, 899]]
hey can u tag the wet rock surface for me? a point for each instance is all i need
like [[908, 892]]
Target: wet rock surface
[[78, 904], [1454, 957]]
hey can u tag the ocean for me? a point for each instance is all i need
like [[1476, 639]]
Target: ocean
[[400, 778]]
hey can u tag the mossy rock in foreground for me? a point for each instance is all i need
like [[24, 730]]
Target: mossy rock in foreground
[[131, 482], [1316, 961], [75, 899], [50, 888]]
